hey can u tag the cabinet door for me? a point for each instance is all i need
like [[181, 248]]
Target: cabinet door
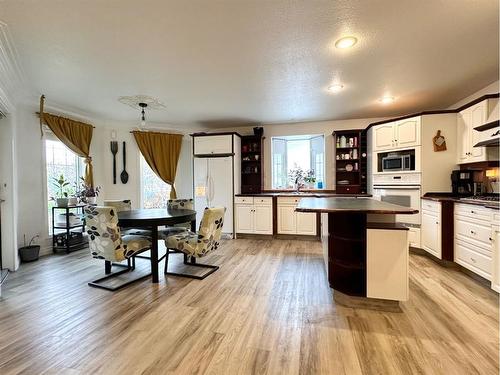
[[477, 118], [263, 219], [213, 144], [430, 234], [495, 277], [306, 223], [463, 119], [244, 218], [383, 137], [407, 132], [286, 219]]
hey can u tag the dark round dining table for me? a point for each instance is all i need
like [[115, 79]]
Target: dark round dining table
[[151, 219]]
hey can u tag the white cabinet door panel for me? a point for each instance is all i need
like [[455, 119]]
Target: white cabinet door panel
[[463, 119], [478, 117], [430, 233], [306, 223], [263, 217], [244, 219], [213, 144], [407, 132], [383, 137], [287, 220]]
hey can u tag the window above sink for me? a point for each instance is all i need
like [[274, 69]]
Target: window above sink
[[301, 156]]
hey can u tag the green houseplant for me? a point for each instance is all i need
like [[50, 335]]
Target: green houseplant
[[88, 194], [61, 185]]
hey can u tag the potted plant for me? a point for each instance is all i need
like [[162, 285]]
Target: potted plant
[[31, 252], [87, 193], [62, 191], [310, 179]]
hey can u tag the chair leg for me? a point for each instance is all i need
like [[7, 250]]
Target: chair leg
[[128, 267], [191, 261], [166, 261], [107, 267]]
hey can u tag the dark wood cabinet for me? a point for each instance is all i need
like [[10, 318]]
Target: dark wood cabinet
[[350, 161], [251, 164]]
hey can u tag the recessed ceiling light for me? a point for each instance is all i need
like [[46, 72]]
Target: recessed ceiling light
[[387, 99], [336, 87], [346, 42]]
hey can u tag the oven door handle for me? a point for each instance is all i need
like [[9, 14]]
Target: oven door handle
[[397, 187]]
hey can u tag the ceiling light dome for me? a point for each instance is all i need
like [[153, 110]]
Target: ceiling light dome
[[346, 42], [387, 99], [336, 87]]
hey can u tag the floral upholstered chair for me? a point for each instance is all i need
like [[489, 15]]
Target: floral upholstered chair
[[197, 245], [177, 204], [107, 243]]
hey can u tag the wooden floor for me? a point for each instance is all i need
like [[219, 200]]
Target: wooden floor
[[268, 310]]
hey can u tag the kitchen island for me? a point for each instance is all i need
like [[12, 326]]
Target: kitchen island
[[365, 250]]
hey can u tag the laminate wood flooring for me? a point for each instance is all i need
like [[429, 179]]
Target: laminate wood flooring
[[268, 310]]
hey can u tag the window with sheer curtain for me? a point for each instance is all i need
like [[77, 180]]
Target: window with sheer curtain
[[297, 151], [155, 193]]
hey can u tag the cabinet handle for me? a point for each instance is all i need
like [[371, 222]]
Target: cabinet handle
[[491, 239], [473, 260], [437, 222], [472, 232], [472, 212]]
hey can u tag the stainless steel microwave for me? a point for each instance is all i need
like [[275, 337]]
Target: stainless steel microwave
[[398, 162]]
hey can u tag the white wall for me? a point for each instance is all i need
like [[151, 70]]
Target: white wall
[[321, 127]]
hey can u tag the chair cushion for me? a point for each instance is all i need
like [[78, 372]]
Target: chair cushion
[[135, 244], [164, 233], [186, 242]]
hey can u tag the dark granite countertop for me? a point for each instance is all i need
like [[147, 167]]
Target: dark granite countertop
[[447, 197], [352, 205], [316, 194]]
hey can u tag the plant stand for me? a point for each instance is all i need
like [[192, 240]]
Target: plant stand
[[68, 237]]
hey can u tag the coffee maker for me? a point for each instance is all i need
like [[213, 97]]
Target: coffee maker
[[462, 183]]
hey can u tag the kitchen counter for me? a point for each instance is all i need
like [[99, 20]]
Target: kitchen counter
[[352, 205], [304, 194], [448, 197]]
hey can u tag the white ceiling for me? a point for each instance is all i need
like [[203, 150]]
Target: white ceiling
[[222, 62]]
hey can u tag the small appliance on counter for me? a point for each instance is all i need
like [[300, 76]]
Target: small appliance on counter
[[462, 183]]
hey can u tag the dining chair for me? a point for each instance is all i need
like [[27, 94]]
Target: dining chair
[[197, 245], [107, 243], [119, 205], [177, 204]]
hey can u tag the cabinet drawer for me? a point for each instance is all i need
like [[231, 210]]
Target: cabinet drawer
[[243, 200], [262, 201], [480, 235], [431, 206], [288, 200], [348, 189], [467, 256], [473, 212]]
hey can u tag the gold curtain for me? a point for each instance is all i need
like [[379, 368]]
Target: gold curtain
[[161, 151], [75, 135]]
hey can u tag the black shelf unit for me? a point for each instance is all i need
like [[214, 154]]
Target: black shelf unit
[[68, 237], [357, 177], [251, 164]]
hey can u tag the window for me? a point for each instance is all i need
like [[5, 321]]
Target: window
[[60, 160], [155, 193], [306, 152]]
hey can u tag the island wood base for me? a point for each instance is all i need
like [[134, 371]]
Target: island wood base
[[367, 261]]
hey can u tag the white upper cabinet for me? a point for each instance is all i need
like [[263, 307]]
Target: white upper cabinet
[[467, 137], [213, 144], [397, 134], [407, 132], [383, 137]]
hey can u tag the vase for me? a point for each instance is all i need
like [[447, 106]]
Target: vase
[[62, 202], [91, 200], [73, 201]]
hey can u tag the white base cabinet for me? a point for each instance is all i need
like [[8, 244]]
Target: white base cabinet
[[254, 215], [291, 222], [495, 237], [430, 230], [474, 243]]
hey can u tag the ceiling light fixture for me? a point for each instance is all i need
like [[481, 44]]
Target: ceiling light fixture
[[336, 87], [143, 114], [346, 42], [387, 99]]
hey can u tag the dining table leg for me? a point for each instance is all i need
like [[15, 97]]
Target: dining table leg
[[154, 254], [193, 225]]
